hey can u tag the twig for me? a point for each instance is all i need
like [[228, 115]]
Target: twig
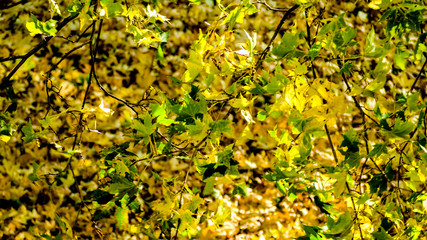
[[419, 74], [271, 8], [66, 55], [346, 183], [7, 82], [112, 96], [3, 6], [354, 98], [276, 32], [11, 58], [332, 145]]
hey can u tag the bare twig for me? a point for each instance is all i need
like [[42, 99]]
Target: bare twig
[[3, 5], [346, 183], [129, 105], [11, 58], [271, 8], [354, 98], [7, 82], [332, 145], [419, 74], [276, 32], [66, 55]]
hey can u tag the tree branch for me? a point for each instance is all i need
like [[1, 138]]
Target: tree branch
[[419, 74], [7, 82], [3, 5], [276, 32], [271, 8]]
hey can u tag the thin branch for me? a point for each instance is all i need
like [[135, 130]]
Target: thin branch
[[3, 5], [419, 74], [81, 35], [271, 8], [97, 80], [346, 183], [356, 215], [276, 32], [354, 98], [7, 82], [66, 55], [332, 145], [112, 96], [11, 58]]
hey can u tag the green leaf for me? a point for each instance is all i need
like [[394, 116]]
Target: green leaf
[[111, 7], [47, 236], [58, 236], [100, 196], [328, 28], [389, 171], [60, 222], [314, 50], [400, 59], [33, 176], [350, 143], [209, 187], [281, 187], [379, 149], [5, 131], [221, 126], [29, 133], [341, 226], [412, 102], [371, 50], [311, 233], [274, 86], [240, 189], [36, 27], [122, 217], [288, 44], [144, 126], [323, 206], [347, 69], [381, 235], [262, 115], [75, 8], [378, 184], [226, 157], [157, 176], [223, 213], [195, 203], [119, 188], [340, 184], [402, 128], [257, 90], [235, 16], [363, 199]]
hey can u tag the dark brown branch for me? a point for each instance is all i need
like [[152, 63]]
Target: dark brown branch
[[419, 74], [11, 58], [354, 98], [7, 82], [66, 55], [332, 145], [3, 5], [276, 32], [97, 80], [129, 105], [271, 8]]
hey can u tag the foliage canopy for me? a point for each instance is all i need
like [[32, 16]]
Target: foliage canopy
[[213, 119]]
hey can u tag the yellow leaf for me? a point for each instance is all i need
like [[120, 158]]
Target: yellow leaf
[[4, 138]]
